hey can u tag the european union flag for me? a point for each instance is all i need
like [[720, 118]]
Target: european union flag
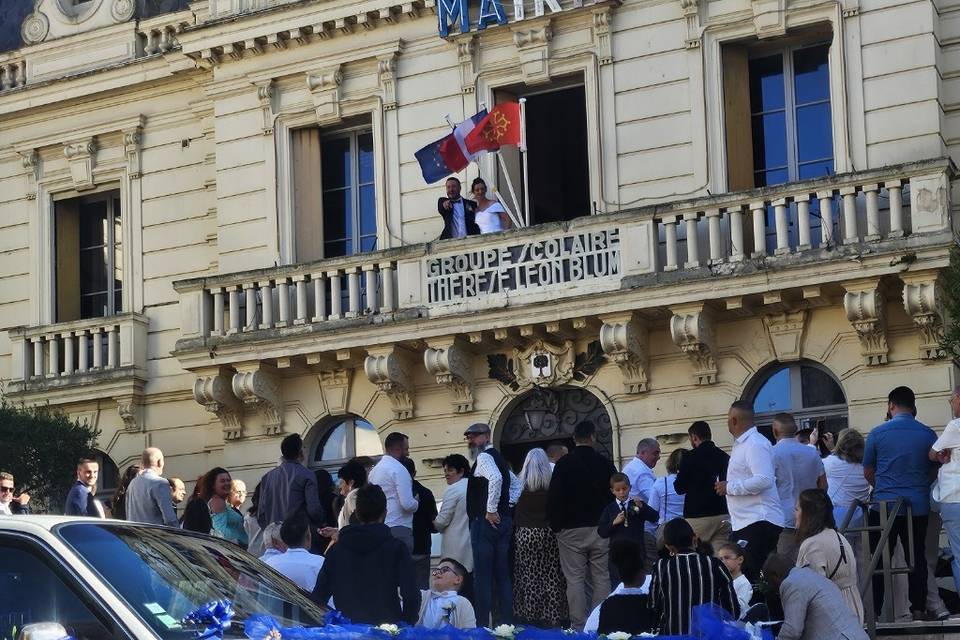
[[432, 164]]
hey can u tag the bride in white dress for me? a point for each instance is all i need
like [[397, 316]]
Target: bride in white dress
[[491, 216]]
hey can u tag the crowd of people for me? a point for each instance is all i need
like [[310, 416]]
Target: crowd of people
[[571, 541]]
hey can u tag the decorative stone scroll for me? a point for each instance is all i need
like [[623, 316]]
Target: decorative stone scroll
[[335, 387], [390, 369], [324, 86], [82, 158], [467, 59], [387, 75], [450, 361], [923, 302], [624, 340], [31, 162], [215, 393], [132, 141], [602, 34], [259, 389], [691, 328], [864, 305], [130, 410], [691, 13], [266, 94], [532, 40]]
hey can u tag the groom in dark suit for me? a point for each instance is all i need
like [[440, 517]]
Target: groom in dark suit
[[457, 213]]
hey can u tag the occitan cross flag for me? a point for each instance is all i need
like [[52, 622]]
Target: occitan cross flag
[[500, 127]]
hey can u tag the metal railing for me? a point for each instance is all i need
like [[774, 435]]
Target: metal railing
[[880, 551]]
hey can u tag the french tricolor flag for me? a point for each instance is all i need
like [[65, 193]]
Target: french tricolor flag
[[449, 154]]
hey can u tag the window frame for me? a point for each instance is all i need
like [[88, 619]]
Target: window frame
[[353, 133], [111, 198], [333, 464], [68, 575], [787, 52], [801, 413]]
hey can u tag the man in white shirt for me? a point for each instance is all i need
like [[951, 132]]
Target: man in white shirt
[[296, 563], [946, 491], [640, 469], [391, 476], [756, 516]]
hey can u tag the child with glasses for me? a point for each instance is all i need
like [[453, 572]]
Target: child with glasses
[[443, 605]]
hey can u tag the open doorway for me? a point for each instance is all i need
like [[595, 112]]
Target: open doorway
[[558, 169]]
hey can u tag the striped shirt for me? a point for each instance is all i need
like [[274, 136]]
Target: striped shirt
[[684, 581]]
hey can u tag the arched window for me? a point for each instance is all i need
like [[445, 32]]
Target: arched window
[[343, 438], [804, 389]]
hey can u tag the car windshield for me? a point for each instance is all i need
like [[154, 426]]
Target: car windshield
[[164, 574]]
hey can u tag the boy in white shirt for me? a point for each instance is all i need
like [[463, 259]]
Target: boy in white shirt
[[443, 605]]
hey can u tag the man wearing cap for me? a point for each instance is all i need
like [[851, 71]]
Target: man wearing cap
[[491, 526]]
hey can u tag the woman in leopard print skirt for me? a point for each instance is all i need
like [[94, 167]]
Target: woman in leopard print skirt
[[539, 589]]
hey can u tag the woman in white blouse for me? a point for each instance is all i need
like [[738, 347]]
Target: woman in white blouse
[[845, 482], [664, 499], [491, 216], [452, 519]]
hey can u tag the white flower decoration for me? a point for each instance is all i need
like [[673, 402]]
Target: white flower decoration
[[392, 629], [504, 631], [618, 635]]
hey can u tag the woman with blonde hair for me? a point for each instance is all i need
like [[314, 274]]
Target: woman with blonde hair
[[539, 589]]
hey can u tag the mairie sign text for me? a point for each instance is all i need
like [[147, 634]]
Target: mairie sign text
[[456, 12], [541, 263]]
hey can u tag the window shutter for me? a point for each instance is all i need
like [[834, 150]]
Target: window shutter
[[307, 195], [736, 110], [67, 241]]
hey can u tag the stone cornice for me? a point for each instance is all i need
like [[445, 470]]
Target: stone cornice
[[89, 131]]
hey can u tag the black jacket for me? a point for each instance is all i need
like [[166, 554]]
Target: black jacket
[[579, 490], [637, 517], [423, 519], [629, 613], [699, 470], [469, 218], [363, 572]]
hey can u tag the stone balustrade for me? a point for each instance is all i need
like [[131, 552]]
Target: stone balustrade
[[13, 72], [292, 296], [67, 350], [774, 227]]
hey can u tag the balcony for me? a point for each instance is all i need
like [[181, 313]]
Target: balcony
[[82, 360], [684, 265]]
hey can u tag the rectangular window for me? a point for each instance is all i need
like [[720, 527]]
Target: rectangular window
[[334, 193], [778, 120], [558, 169], [89, 257]]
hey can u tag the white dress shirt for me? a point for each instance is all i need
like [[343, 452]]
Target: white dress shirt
[[641, 478], [593, 622], [391, 476], [459, 219], [297, 565], [5, 509], [487, 468], [751, 482], [947, 487], [845, 481]]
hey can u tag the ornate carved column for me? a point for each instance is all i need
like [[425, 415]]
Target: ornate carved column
[[923, 302], [387, 75], [132, 141], [390, 368], [258, 387], [692, 328], [623, 338], [266, 94], [215, 393], [324, 86], [864, 304], [449, 360], [466, 57]]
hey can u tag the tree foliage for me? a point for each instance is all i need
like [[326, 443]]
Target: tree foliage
[[40, 448], [951, 294]]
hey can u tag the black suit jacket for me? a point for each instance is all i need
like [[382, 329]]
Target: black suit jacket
[[469, 213], [637, 517], [699, 470]]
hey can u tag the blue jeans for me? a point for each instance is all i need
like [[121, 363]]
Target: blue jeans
[[950, 513], [491, 569]]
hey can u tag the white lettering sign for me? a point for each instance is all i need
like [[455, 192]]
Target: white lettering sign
[[533, 265]]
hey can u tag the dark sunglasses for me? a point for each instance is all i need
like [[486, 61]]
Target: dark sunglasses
[[5, 489]]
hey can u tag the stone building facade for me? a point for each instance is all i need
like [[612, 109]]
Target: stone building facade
[[214, 230]]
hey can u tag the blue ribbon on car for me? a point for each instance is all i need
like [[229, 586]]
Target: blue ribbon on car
[[215, 616]]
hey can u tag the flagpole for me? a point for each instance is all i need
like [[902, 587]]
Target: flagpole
[[513, 194], [523, 159]]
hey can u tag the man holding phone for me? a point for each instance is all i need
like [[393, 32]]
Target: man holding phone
[[10, 506]]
